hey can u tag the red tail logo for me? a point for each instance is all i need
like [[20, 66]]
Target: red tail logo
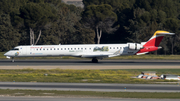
[[153, 43]]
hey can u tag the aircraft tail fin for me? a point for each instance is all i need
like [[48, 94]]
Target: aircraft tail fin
[[156, 39], [153, 43]]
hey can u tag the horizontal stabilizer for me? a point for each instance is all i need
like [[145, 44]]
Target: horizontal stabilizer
[[156, 38], [162, 33]]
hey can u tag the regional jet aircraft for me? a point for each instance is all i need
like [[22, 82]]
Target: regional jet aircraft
[[94, 51]]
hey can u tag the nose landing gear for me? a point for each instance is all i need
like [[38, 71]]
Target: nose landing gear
[[94, 60], [12, 59]]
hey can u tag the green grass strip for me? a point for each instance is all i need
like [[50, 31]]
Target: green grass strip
[[89, 94], [81, 76]]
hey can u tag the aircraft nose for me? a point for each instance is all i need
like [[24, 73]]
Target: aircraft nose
[[7, 54]]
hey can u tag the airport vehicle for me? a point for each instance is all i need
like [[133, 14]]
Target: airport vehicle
[[94, 51]]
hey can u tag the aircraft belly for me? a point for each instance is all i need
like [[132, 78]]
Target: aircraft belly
[[92, 54]]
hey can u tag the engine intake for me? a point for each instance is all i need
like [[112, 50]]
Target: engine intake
[[135, 46]]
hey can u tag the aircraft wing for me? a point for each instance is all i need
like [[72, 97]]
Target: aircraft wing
[[91, 55], [94, 56]]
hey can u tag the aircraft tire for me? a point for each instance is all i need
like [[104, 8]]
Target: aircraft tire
[[12, 59], [94, 60]]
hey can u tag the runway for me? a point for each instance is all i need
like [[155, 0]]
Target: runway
[[87, 64], [77, 99], [103, 87], [28, 98], [81, 62]]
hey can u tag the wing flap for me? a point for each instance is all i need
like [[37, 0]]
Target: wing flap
[[94, 56]]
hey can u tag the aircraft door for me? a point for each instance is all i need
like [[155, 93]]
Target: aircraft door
[[23, 50], [121, 50]]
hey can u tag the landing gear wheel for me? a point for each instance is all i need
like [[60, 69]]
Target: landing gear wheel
[[94, 60], [12, 59]]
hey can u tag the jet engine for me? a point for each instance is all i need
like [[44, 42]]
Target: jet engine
[[135, 46]]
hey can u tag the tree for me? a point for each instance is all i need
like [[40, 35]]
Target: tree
[[82, 35], [99, 18], [9, 37], [152, 15], [122, 8], [64, 28], [35, 17], [173, 25]]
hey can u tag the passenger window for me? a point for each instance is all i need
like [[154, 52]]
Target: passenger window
[[81, 48], [57, 48], [50, 48], [74, 48], [85, 48], [68, 48], [43, 49], [71, 48], [64, 48], [61, 48], [113, 47], [47, 48], [54, 48], [37, 49], [89, 48], [117, 47], [78, 48], [110, 47]]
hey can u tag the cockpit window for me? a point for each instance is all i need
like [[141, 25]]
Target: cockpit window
[[15, 49]]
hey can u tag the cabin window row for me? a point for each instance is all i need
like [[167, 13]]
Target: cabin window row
[[62, 49], [115, 48], [71, 48]]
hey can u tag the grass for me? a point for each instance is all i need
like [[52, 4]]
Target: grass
[[89, 94], [140, 57], [2, 55], [83, 76], [148, 57], [158, 71], [80, 76]]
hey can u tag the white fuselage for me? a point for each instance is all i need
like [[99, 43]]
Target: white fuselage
[[86, 50], [93, 51]]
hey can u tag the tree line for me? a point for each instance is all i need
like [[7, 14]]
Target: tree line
[[50, 22]]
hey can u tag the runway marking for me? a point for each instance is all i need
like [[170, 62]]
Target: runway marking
[[91, 67]]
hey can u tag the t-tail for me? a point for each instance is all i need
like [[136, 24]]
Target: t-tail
[[153, 43]]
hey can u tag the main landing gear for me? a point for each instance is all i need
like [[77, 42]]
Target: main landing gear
[[12, 59], [94, 60]]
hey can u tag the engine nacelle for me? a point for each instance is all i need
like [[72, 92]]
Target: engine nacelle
[[135, 46]]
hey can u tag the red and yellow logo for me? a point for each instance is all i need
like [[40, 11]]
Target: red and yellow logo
[[17, 53]]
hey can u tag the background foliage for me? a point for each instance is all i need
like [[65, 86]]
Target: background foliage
[[124, 21]]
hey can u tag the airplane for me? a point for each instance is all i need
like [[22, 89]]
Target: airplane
[[94, 51]]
